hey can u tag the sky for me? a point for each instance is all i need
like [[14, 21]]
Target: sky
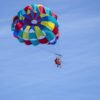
[[29, 73]]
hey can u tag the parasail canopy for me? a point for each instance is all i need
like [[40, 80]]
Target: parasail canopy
[[36, 24]]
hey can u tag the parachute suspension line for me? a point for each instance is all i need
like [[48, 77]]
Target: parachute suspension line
[[52, 49], [43, 48], [58, 49]]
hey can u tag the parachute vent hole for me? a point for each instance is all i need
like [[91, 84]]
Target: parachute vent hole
[[34, 21]]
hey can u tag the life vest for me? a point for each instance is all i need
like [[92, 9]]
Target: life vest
[[58, 61]]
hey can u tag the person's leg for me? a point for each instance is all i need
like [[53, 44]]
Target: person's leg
[[57, 66], [60, 66]]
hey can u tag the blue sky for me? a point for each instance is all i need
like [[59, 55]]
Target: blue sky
[[29, 73]]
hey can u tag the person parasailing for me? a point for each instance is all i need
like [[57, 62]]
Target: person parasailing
[[58, 61]]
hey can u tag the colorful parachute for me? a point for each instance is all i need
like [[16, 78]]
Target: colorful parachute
[[36, 24]]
